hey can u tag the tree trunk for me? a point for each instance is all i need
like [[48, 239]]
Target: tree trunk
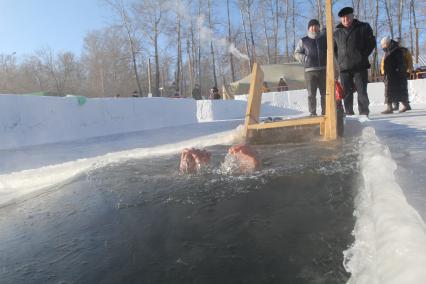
[[286, 30], [179, 58], [157, 68], [193, 54], [231, 59], [253, 45], [266, 35], [188, 52], [416, 30], [319, 12], [413, 11], [211, 46], [199, 48], [149, 77], [374, 70], [400, 12], [276, 15], [389, 17], [294, 26], [132, 46], [250, 62]]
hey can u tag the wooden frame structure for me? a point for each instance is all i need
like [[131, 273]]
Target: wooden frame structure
[[328, 122]]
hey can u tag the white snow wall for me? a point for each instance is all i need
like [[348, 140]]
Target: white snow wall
[[299, 99], [27, 120], [33, 120]]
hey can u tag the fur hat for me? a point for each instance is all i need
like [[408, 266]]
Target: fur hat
[[385, 41], [346, 11], [313, 22]]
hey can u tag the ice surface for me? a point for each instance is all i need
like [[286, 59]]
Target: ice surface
[[390, 235]]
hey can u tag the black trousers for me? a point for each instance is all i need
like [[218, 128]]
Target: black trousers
[[315, 80], [360, 80]]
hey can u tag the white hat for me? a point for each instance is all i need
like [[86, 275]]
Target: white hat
[[385, 41]]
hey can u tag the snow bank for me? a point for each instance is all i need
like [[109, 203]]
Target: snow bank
[[390, 236], [33, 120], [298, 99], [27, 120]]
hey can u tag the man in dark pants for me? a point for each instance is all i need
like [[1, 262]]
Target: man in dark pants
[[312, 51], [353, 43]]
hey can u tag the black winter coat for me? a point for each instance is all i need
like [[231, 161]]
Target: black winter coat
[[353, 45], [395, 74]]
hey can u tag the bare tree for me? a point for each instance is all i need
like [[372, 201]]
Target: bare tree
[[319, 12], [47, 63], [107, 63], [400, 12], [150, 14], [245, 36], [8, 73], [120, 9], [211, 44], [265, 25], [253, 43], [374, 70], [231, 59], [275, 28], [389, 16], [178, 72], [286, 39]]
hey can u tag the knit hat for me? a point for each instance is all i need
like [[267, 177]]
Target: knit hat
[[313, 22], [385, 41], [346, 11]]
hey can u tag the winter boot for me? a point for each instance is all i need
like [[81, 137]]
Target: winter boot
[[388, 109], [395, 106], [406, 106]]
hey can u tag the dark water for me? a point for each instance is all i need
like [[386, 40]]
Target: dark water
[[142, 222]]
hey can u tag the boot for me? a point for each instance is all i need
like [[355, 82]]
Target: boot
[[406, 106], [388, 109], [395, 106]]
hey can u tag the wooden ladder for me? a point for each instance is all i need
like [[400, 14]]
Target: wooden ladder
[[327, 123]]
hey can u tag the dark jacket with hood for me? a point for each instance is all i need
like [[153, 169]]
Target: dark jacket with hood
[[353, 45], [395, 74]]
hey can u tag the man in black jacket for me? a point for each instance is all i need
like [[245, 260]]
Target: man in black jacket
[[353, 43], [312, 51]]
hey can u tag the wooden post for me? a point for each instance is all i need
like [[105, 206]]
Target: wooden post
[[254, 98], [330, 124]]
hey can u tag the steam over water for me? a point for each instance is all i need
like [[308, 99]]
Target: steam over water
[[142, 222]]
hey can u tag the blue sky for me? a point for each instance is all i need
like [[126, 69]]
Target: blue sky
[[27, 25]]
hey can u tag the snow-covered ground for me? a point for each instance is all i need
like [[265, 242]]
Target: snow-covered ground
[[48, 140]]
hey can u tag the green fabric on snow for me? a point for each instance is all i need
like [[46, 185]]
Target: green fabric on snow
[[81, 100]]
